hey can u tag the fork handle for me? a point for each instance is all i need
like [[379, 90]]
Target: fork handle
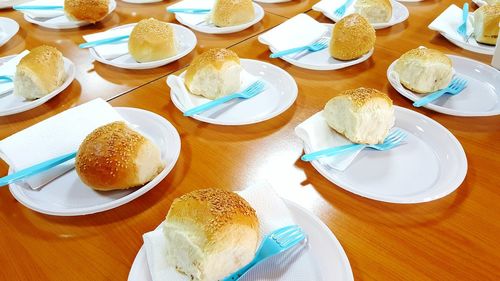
[[103, 41], [289, 51], [237, 275], [208, 105], [330, 151], [430, 97]]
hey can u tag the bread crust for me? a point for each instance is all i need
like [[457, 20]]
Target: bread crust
[[352, 37], [86, 10], [215, 58], [486, 24], [361, 96], [152, 40], [232, 12]]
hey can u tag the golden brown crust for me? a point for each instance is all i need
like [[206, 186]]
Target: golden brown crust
[[105, 159], [232, 12], [425, 55], [361, 96], [86, 10], [152, 40], [487, 20], [352, 37], [213, 57]]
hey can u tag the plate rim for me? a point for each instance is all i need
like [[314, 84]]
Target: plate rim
[[9, 36], [484, 50]]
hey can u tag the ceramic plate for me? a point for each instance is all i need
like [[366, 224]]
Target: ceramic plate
[[8, 28], [429, 165], [330, 261], [12, 104], [321, 60], [211, 29], [280, 93], [481, 97], [186, 42], [68, 196], [62, 22], [10, 3], [399, 14], [472, 45]]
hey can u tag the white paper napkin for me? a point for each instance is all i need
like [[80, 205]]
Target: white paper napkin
[[44, 13], [273, 214], [327, 7], [9, 69], [317, 135], [193, 19], [53, 137], [298, 31], [449, 21], [112, 50], [188, 100]]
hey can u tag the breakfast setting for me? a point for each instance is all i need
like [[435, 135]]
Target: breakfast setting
[[240, 140]]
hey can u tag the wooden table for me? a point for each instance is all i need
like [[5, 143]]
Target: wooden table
[[454, 238]]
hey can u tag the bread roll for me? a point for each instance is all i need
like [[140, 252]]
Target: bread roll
[[352, 37], [214, 73], [424, 70], [152, 40], [39, 73], [210, 234], [86, 10], [486, 21], [232, 12], [116, 157], [362, 115], [491, 2], [375, 11]]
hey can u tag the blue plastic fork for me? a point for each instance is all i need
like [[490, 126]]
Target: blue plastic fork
[[462, 29], [249, 92], [314, 47], [341, 10], [392, 140], [103, 41], [456, 86], [188, 11], [21, 8], [274, 243], [36, 169]]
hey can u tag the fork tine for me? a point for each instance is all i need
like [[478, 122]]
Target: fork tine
[[294, 241], [290, 236], [254, 87], [284, 229], [279, 234]]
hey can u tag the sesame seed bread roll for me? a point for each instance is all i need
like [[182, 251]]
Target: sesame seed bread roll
[[352, 37], [214, 74], [362, 115], [486, 23], [114, 156], [375, 11], [424, 70], [152, 40], [39, 73], [232, 12], [210, 233], [86, 10]]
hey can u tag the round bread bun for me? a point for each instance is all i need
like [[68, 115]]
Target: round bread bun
[[114, 156], [152, 40], [232, 12], [375, 11], [86, 10], [352, 37], [210, 233], [424, 70], [487, 24], [214, 73]]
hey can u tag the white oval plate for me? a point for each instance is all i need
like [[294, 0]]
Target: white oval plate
[[481, 97], [281, 92], [8, 28], [330, 260], [479, 48], [12, 104], [399, 14], [63, 22], [211, 29], [321, 60], [8, 4], [68, 196], [186, 42], [429, 165]]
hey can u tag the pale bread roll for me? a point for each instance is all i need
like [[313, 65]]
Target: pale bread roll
[[352, 37], [114, 156], [86, 10], [491, 2], [214, 73], [39, 73], [486, 22], [152, 40], [424, 70], [210, 234], [375, 11], [362, 115], [232, 12]]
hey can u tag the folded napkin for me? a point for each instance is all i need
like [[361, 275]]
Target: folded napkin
[[188, 100], [44, 13], [317, 135], [449, 21], [272, 213], [298, 31], [53, 137], [112, 50], [328, 7], [193, 19], [9, 69]]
